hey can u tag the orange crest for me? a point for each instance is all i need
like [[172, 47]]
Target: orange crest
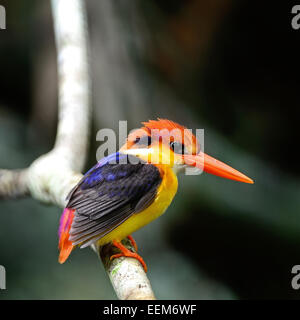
[[175, 131]]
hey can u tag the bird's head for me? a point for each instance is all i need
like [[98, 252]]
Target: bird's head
[[164, 142]]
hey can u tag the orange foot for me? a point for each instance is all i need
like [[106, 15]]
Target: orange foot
[[127, 253], [133, 243]]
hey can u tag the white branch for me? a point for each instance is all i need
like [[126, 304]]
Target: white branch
[[13, 183], [52, 176], [74, 84]]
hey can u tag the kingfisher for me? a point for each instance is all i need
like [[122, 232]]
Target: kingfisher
[[130, 188]]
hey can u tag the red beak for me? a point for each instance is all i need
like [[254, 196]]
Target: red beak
[[216, 167]]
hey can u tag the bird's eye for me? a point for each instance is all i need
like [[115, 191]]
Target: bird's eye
[[143, 141], [177, 147]]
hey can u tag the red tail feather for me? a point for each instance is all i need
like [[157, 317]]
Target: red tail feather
[[65, 245]]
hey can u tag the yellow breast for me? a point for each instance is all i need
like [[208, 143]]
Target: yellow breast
[[164, 197]]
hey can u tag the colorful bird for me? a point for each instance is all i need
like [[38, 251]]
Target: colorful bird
[[128, 189]]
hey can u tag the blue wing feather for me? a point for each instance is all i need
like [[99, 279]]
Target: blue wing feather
[[109, 193]]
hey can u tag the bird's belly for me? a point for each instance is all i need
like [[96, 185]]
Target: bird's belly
[[164, 197]]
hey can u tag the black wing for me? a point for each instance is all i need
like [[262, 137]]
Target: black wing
[[109, 194]]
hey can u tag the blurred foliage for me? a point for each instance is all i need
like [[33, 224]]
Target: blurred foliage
[[230, 67]]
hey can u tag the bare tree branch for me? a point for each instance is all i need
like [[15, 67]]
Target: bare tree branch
[[52, 176], [13, 183], [126, 275]]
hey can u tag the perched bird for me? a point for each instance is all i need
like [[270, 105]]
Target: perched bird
[[126, 190]]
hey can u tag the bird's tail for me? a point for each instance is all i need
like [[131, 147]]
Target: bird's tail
[[65, 245]]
